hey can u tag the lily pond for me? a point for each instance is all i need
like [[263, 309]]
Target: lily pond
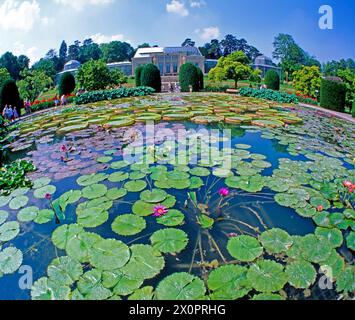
[[190, 197]]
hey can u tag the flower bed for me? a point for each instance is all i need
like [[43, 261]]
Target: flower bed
[[43, 104]]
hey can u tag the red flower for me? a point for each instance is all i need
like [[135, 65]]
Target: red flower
[[320, 208]]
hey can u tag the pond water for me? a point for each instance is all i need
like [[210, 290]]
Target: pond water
[[284, 222]]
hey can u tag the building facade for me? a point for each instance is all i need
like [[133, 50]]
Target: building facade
[[265, 64], [168, 59]]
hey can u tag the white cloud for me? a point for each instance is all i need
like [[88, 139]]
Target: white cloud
[[80, 4], [209, 33], [177, 7], [101, 38], [32, 53], [198, 3], [15, 15]]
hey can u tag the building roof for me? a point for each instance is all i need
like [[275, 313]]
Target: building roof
[[263, 60], [72, 65], [146, 52]]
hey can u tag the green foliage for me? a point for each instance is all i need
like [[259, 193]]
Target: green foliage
[[189, 76], [216, 88], [353, 109], [332, 95], [116, 51], [235, 67], [307, 81], [150, 77], [269, 95], [138, 74], [46, 66], [4, 75], [201, 78], [348, 76], [9, 94], [33, 83], [66, 84], [117, 77], [96, 96], [13, 176], [94, 75], [272, 80]]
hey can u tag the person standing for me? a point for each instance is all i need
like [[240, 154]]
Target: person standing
[[11, 114], [16, 115], [63, 100], [5, 112]]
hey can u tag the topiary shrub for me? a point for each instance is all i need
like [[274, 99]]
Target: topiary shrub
[[150, 77], [66, 84], [333, 94], [272, 80], [353, 110], [9, 95], [189, 76], [201, 84], [138, 74]]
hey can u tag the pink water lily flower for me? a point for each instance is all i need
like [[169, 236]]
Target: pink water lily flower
[[347, 184], [160, 211], [232, 235], [224, 192], [320, 208], [48, 196], [63, 148]]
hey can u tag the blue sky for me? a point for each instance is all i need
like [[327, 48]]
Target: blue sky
[[33, 27]]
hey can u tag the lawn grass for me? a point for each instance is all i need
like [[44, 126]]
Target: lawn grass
[[48, 94]]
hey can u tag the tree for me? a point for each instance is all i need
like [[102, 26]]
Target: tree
[[10, 62], [116, 51], [74, 51], [138, 74], [63, 51], [255, 77], [33, 83], [150, 77], [229, 44], [189, 77], [118, 77], [46, 66], [90, 50], [272, 80], [211, 50], [66, 84], [4, 75], [23, 62], [94, 75], [188, 43], [235, 66], [348, 77], [332, 68], [307, 81], [9, 94]]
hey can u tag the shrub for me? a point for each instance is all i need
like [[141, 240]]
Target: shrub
[[333, 94], [269, 95], [138, 74], [150, 77], [216, 88], [201, 77], [66, 84], [272, 80], [94, 75], [102, 95], [353, 110], [9, 94], [307, 81], [189, 76]]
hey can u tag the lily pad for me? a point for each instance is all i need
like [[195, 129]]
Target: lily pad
[[64, 233], [3, 216], [135, 186], [350, 241], [104, 159], [143, 209], [244, 248], [169, 240], [115, 193], [28, 214], [267, 276], [200, 172], [41, 192], [92, 217], [301, 274], [180, 286], [172, 219], [44, 216], [64, 270], [346, 281], [91, 287], [276, 241], [79, 246], [41, 182], [118, 177], [10, 260], [145, 293], [154, 196], [9, 231], [128, 225], [121, 283], [45, 289], [18, 202], [333, 236], [94, 191], [315, 250], [88, 180]]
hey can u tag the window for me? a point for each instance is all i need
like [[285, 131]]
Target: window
[[168, 67]]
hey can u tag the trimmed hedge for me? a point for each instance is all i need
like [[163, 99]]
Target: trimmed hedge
[[189, 76], [217, 88], [201, 79], [269, 95], [272, 80], [102, 95], [353, 110], [138, 74], [150, 77], [66, 84], [333, 95], [9, 95]]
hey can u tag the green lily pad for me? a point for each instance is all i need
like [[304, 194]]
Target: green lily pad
[[172, 219], [64, 271], [196, 183], [104, 159], [228, 283], [41, 192], [244, 248], [119, 165], [169, 240], [145, 263], [205, 221], [128, 225], [9, 231], [121, 283], [69, 197], [64, 233], [115, 193], [3, 216], [88, 180], [135, 186], [10, 260], [143, 209], [276, 241], [154, 196], [315, 250], [44, 216], [94, 191], [91, 287], [118, 177], [46, 289], [4, 200], [254, 183], [268, 297], [301, 274], [200, 172], [41, 182], [92, 217], [28, 214], [333, 236], [18, 202], [109, 254], [346, 281], [145, 293], [79, 246], [267, 276], [350, 241], [180, 286]]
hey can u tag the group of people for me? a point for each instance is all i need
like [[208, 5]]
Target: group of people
[[175, 88], [63, 101], [10, 113]]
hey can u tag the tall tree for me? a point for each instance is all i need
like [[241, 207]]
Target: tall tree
[[90, 50], [23, 62], [10, 62], [74, 51], [188, 43], [116, 51], [63, 51], [4, 75], [229, 44], [46, 66]]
